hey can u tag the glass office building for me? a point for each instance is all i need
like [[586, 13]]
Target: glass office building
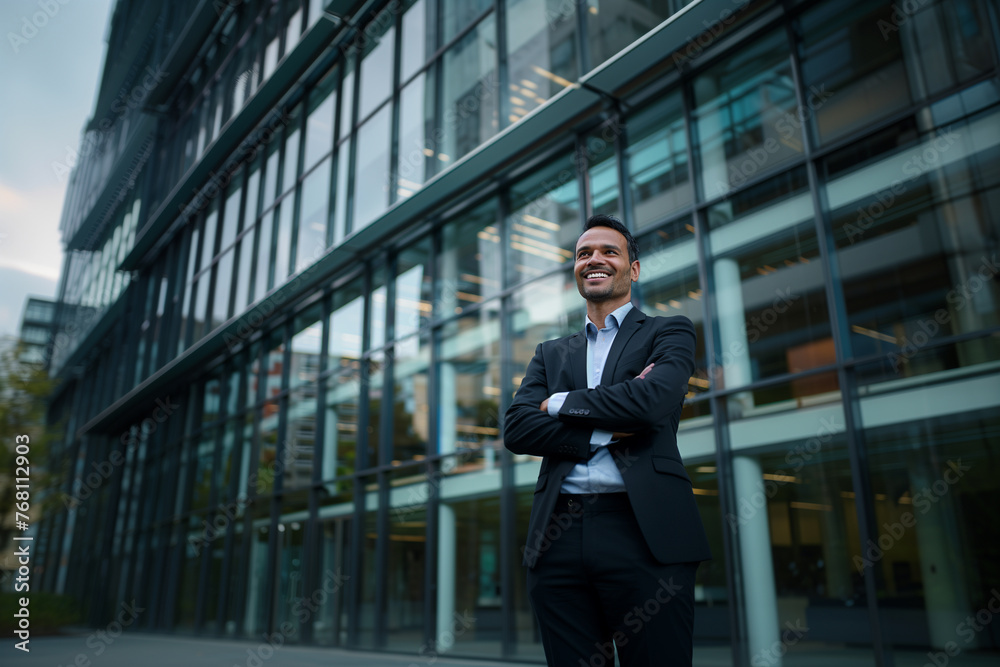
[[312, 244]]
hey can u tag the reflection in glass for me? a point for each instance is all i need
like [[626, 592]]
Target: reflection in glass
[[311, 242], [602, 170], [914, 237], [376, 66], [658, 162], [469, 266], [614, 24], [544, 222], [405, 580], [411, 408], [307, 342], [416, 161], [468, 403], [744, 107], [769, 285], [265, 250], [469, 92], [933, 475], [319, 124], [413, 288], [371, 171], [284, 216], [669, 285], [542, 52], [417, 37]]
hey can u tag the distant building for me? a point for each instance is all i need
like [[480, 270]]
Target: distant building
[[37, 329], [312, 245]]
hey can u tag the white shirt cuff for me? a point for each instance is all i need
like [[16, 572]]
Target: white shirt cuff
[[556, 401], [601, 438]]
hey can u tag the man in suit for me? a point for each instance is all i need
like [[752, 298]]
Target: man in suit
[[614, 538]]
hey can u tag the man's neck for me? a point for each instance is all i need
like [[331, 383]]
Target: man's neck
[[598, 312]]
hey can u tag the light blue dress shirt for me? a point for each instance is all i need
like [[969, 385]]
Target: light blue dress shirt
[[599, 474]]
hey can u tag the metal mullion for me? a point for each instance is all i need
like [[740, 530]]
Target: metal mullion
[[508, 493], [385, 452], [583, 59], [502, 65], [432, 528], [394, 111]]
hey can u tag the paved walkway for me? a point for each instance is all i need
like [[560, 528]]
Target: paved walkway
[[146, 650]]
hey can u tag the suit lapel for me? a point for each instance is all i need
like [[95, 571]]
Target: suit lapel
[[578, 360], [631, 324]]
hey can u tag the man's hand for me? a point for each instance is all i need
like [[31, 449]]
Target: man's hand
[[619, 436], [545, 406]]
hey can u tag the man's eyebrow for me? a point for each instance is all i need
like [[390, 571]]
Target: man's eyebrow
[[606, 246]]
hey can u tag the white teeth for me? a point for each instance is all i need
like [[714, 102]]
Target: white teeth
[[598, 275]]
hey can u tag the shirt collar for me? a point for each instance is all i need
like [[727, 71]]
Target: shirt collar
[[613, 320]]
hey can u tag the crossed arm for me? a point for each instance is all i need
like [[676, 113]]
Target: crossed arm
[[643, 403]]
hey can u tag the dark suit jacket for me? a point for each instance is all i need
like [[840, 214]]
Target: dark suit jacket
[[658, 487]]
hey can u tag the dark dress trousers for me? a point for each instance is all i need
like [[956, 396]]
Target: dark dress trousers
[[593, 564]]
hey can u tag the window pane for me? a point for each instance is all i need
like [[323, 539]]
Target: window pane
[[860, 63], [602, 171], [542, 54], [770, 290], [469, 92], [544, 223], [311, 243], [290, 170], [669, 284], [376, 63], [614, 24], [371, 176], [284, 216], [231, 214], [458, 14], [915, 241], [307, 342], [319, 126], [300, 441], [469, 267], [416, 135], [243, 296], [411, 409], [377, 308], [223, 283], [343, 191], [208, 239], [542, 310], [418, 43], [743, 107], [413, 288], [469, 387], [932, 479], [270, 175], [262, 281], [658, 162]]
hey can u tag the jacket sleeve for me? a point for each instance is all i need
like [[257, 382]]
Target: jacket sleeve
[[638, 405], [529, 430]]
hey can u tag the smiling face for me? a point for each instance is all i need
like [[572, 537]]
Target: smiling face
[[603, 272]]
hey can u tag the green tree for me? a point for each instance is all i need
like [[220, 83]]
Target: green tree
[[24, 389]]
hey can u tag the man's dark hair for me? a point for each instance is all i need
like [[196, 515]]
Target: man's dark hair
[[601, 220]]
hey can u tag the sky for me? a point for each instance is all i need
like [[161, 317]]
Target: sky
[[49, 68]]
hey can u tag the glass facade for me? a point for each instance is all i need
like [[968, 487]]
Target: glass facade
[[306, 376]]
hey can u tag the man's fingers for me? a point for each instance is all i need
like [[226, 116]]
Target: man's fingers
[[544, 406], [644, 371], [619, 436]]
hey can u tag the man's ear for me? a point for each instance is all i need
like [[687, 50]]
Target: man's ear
[[634, 270]]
